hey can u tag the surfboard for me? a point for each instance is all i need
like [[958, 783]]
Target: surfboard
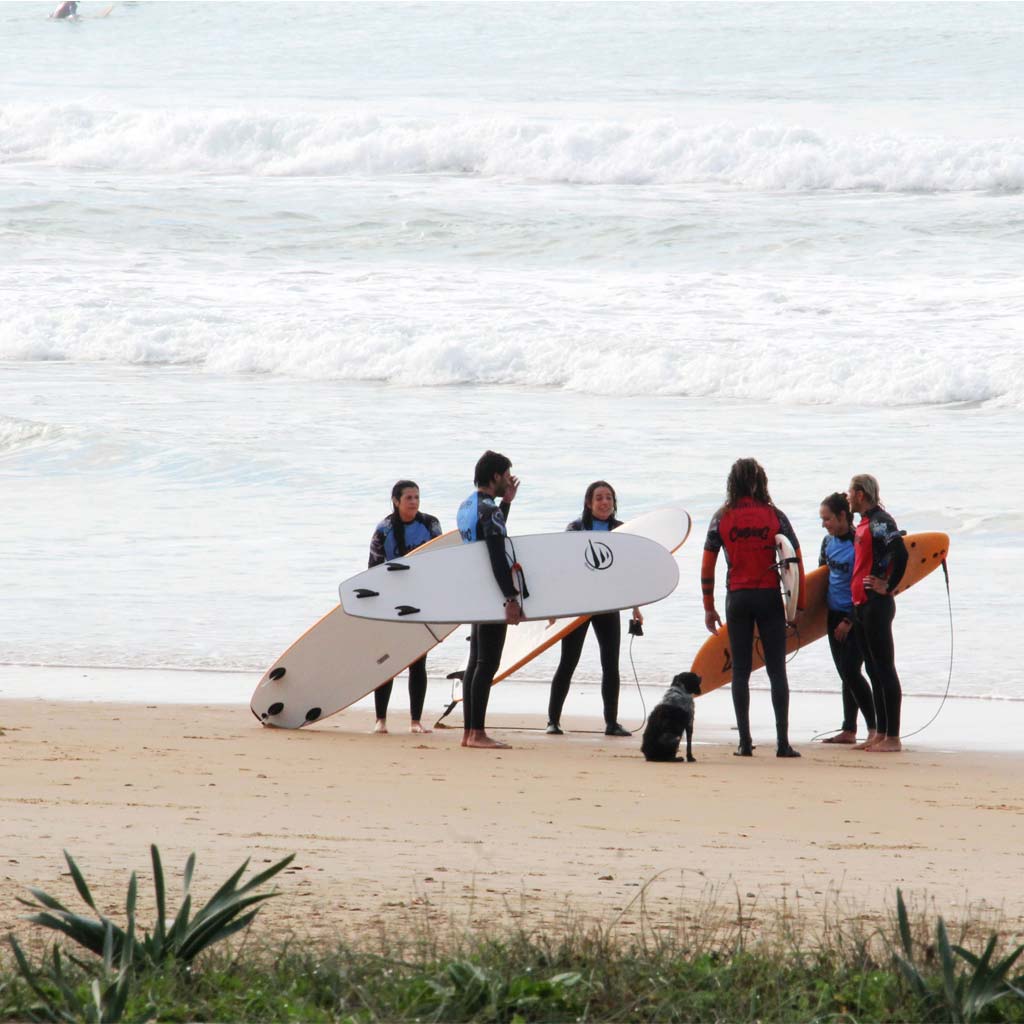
[[565, 574], [341, 659], [713, 663], [789, 574], [670, 527]]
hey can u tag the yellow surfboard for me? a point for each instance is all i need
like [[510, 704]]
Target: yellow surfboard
[[926, 552]]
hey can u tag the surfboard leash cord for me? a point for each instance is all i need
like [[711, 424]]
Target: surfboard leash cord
[[949, 675]]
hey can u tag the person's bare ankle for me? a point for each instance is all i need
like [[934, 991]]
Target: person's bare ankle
[[380, 727], [418, 727]]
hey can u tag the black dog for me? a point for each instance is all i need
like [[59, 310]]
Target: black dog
[[670, 719]]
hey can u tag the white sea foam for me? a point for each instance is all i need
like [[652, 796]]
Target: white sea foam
[[662, 151], [17, 433]]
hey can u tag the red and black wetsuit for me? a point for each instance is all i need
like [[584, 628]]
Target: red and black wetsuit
[[879, 551], [746, 531]]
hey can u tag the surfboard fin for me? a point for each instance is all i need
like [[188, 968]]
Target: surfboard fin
[[363, 592], [397, 567], [405, 609]]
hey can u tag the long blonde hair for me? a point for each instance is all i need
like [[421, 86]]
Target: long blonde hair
[[869, 485]]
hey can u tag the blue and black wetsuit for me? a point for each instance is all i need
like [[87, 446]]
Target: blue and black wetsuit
[[393, 539], [480, 518], [837, 554], [608, 630]]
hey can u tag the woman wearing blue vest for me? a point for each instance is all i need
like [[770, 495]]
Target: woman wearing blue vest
[[599, 507], [401, 532], [837, 553]]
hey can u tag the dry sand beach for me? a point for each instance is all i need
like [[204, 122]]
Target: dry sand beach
[[394, 832]]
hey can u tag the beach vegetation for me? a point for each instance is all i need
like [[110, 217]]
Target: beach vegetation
[[181, 938], [711, 967], [963, 987]]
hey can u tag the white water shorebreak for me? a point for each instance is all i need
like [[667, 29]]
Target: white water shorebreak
[[652, 151]]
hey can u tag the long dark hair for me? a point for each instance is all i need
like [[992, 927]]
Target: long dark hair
[[838, 504], [588, 515], [747, 479], [397, 526]]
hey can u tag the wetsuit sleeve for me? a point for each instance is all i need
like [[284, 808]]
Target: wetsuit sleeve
[[499, 563], [504, 508], [575, 526], [712, 545], [433, 524], [786, 529], [822, 558], [898, 553], [707, 578], [377, 555]]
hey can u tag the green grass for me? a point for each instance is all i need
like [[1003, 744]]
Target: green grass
[[711, 966], [839, 975]]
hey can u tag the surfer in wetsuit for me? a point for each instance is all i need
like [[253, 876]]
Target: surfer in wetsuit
[[68, 9], [480, 518], [599, 507], [880, 559], [745, 526], [396, 535], [837, 551]]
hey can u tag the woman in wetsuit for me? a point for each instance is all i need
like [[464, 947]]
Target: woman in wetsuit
[[396, 535], [599, 507], [837, 554], [880, 559], [745, 526]]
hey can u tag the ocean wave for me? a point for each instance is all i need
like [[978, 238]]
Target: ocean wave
[[779, 366], [653, 151]]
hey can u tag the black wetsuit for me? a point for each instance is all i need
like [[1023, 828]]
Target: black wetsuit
[[879, 551], [837, 554], [608, 630], [480, 518], [746, 532], [389, 542]]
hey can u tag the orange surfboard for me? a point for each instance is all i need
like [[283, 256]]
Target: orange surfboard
[[926, 551]]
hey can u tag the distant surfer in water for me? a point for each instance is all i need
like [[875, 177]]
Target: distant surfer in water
[[404, 530], [599, 507], [837, 550], [68, 9], [481, 518], [880, 559], [745, 526]]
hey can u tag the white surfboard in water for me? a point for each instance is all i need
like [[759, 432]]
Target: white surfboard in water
[[565, 574]]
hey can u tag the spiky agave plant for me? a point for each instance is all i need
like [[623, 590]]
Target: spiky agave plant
[[229, 910]]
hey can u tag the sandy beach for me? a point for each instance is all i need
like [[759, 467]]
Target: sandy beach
[[402, 830]]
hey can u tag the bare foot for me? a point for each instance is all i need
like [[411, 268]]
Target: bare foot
[[845, 736], [873, 738], [479, 738], [417, 727], [886, 745], [381, 727]]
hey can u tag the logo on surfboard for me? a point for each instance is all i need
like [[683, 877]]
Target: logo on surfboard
[[598, 556]]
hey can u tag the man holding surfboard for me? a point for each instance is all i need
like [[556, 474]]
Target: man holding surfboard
[[481, 518], [880, 560]]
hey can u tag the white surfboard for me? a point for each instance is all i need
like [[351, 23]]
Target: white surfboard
[[565, 574], [670, 527], [789, 574], [341, 659]]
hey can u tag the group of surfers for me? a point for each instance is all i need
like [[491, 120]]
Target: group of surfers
[[865, 562]]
